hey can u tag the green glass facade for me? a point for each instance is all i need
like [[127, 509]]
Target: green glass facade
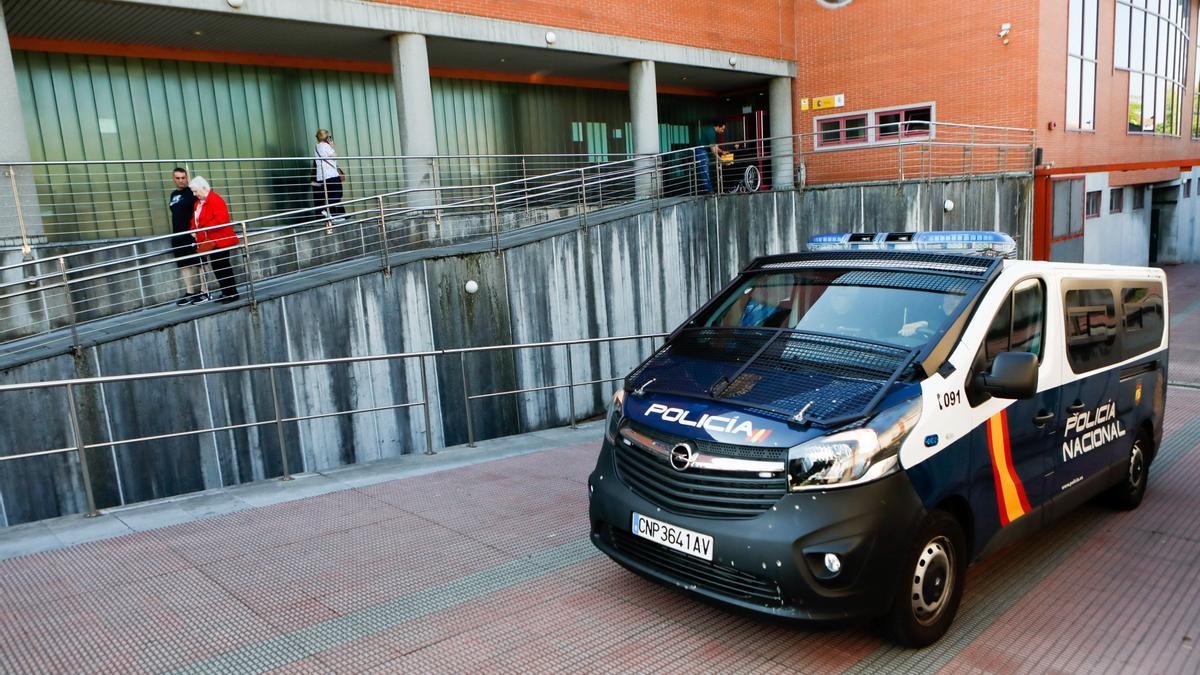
[[80, 107]]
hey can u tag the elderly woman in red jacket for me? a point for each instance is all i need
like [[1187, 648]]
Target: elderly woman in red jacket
[[211, 212]]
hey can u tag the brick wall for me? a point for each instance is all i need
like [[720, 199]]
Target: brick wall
[[1110, 144], [759, 27], [883, 54]]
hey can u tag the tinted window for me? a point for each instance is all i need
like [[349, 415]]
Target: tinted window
[[1091, 329], [1018, 325], [1142, 318]]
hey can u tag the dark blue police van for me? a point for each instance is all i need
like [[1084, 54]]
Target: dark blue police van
[[838, 433]]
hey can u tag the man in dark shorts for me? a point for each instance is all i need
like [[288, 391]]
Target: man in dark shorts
[[183, 205]]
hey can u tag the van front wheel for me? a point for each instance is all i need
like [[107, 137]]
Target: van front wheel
[[931, 582], [1127, 494]]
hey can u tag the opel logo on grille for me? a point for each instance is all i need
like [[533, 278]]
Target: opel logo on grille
[[683, 456]]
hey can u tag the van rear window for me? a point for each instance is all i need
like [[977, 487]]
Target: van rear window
[[1091, 329], [1142, 318]]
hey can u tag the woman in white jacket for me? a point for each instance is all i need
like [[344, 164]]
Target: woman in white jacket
[[327, 189]]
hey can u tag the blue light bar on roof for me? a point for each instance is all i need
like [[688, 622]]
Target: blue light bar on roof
[[980, 242]]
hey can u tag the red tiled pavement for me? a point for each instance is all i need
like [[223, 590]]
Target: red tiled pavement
[[1101, 591]]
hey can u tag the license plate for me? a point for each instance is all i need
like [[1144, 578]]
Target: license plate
[[691, 543]]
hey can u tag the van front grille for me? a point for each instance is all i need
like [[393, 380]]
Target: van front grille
[[711, 494]]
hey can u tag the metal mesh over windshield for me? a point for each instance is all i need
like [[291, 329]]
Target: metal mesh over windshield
[[808, 377]]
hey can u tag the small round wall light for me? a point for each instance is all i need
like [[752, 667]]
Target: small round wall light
[[733, 61], [948, 206], [472, 287], [236, 4], [551, 38]]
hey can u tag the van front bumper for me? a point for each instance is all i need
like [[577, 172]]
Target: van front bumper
[[773, 563]]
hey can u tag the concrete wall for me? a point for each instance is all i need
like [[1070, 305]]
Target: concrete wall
[[639, 273], [1123, 238]]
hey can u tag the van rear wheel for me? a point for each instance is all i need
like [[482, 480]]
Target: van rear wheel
[[1127, 494], [930, 586]]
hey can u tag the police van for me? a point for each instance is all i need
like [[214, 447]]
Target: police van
[[838, 433]]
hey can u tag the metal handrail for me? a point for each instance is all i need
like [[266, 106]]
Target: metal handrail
[[81, 447], [391, 221]]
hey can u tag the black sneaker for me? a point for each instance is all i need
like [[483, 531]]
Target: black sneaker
[[187, 299], [230, 299], [200, 297]]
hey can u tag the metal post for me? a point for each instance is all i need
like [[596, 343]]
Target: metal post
[[462, 361], [287, 474], [79, 448], [599, 188], [249, 268], [425, 405], [571, 385], [383, 240], [437, 193], [525, 183], [656, 181], [62, 270], [972, 151], [900, 152], [26, 248], [583, 205], [141, 284], [495, 220]]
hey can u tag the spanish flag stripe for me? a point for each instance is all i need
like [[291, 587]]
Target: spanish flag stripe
[[996, 479], [1010, 494]]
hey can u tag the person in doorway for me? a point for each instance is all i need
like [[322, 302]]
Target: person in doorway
[[708, 151], [182, 205], [214, 235], [327, 186]]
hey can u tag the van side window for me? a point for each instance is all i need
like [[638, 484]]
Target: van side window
[[1142, 319], [1091, 329], [1018, 325]]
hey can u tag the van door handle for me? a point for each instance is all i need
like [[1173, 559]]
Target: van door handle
[[1043, 418], [1077, 406]]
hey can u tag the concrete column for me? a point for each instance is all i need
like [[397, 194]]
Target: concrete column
[[414, 107], [779, 96], [20, 217], [643, 108]]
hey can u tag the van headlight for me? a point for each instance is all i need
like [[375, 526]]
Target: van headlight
[[616, 413], [854, 456]]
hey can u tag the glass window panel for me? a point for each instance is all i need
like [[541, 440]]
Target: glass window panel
[[1075, 27], [1139, 3], [1160, 104], [1151, 58], [1061, 219], [1089, 28], [1137, 37], [1076, 206], [1172, 36], [1121, 38], [1087, 101], [889, 125], [831, 131], [1164, 33], [856, 129], [1135, 102], [1148, 103], [1074, 91]]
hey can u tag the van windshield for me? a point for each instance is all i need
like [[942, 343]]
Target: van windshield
[[879, 306]]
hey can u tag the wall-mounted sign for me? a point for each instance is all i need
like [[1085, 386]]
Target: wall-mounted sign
[[825, 102], [804, 104]]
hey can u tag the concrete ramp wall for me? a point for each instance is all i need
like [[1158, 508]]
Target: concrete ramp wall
[[625, 275]]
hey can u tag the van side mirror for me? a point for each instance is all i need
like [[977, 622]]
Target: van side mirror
[[1014, 375]]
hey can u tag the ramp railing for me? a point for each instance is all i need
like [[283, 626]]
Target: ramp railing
[[79, 292], [281, 415]]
